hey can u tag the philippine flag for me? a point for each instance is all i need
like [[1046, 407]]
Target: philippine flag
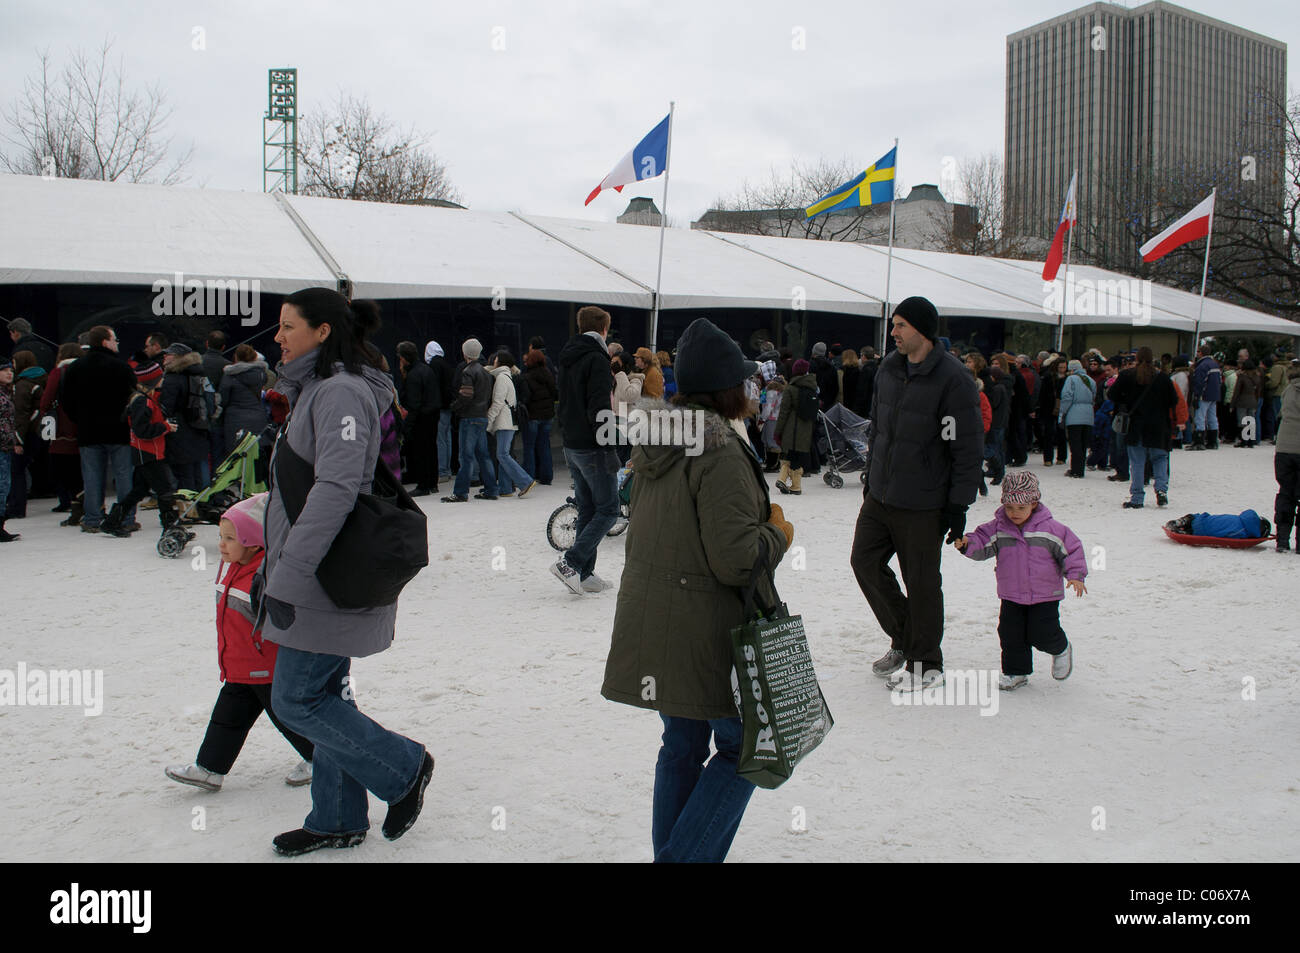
[[648, 159], [1195, 224], [1069, 215]]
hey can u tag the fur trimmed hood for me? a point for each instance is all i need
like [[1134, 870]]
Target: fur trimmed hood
[[184, 363], [665, 434]]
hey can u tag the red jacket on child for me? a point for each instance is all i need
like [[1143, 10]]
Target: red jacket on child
[[242, 656]]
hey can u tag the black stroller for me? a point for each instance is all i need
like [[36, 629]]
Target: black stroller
[[842, 444]]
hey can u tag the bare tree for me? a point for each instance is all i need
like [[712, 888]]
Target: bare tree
[[982, 227], [354, 153], [775, 206], [85, 122], [1255, 252]]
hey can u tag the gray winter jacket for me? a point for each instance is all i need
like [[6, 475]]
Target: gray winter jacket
[[241, 399], [334, 427]]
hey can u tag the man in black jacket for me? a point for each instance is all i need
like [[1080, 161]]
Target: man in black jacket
[[20, 332], [926, 447], [93, 392], [422, 400], [586, 384], [184, 385]]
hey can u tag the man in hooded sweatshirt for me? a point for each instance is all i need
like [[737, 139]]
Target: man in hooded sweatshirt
[[926, 449]]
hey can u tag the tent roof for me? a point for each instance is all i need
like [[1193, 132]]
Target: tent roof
[[75, 231], [65, 231]]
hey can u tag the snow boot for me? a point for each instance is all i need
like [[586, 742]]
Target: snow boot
[[112, 523], [1211, 440], [772, 462], [402, 814], [1283, 521], [195, 776], [76, 512], [782, 480], [796, 482], [7, 537], [296, 843], [1063, 664], [1198, 440]]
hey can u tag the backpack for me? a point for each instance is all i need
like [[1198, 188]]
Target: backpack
[[808, 404], [201, 405]]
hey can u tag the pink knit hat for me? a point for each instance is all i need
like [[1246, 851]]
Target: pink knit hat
[[1020, 486], [248, 517]]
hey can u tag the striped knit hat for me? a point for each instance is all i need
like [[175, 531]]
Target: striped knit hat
[[1020, 486], [148, 372]]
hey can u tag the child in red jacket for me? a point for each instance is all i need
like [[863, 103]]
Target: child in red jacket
[[246, 662]]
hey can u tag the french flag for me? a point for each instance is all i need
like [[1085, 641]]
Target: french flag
[[647, 159], [1195, 224], [1069, 215]]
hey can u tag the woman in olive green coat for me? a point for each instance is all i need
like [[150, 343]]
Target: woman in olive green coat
[[700, 522], [795, 434]]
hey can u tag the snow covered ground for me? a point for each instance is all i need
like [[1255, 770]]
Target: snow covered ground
[[498, 670]]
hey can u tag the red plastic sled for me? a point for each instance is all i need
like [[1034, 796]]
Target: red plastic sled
[[1217, 541]]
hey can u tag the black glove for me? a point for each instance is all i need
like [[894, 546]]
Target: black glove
[[281, 613], [954, 521]]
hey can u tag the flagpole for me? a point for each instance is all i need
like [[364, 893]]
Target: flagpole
[[1069, 248], [1205, 271], [889, 263], [663, 225]]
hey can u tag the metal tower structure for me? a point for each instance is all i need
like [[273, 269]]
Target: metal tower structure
[[280, 133]]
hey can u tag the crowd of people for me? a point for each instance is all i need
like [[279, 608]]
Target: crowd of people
[[945, 424]]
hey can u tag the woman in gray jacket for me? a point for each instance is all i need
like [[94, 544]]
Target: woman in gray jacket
[[324, 458]]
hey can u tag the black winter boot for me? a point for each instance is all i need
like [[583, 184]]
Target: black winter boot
[[78, 510], [1198, 441], [112, 523], [1211, 440], [7, 537]]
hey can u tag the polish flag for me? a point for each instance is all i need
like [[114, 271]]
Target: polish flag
[[648, 159], [1069, 215], [1195, 224]]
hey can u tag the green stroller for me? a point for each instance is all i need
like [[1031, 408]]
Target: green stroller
[[239, 476]]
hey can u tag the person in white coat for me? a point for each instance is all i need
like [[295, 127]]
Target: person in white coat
[[510, 475]]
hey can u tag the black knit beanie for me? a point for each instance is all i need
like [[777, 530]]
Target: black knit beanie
[[920, 314], [708, 361]]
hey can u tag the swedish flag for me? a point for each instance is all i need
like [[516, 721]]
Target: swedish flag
[[873, 187]]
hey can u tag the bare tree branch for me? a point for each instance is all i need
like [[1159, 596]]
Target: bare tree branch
[[354, 153]]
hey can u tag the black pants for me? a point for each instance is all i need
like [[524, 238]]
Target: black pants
[[1286, 467], [233, 716], [66, 470], [153, 477], [1051, 439], [913, 622], [1080, 435], [1017, 440], [1021, 628], [422, 451]]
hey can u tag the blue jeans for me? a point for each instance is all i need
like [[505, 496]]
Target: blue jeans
[[1206, 416], [96, 460], [537, 451], [697, 808], [510, 475], [1138, 456], [444, 444], [595, 489], [474, 446], [993, 451], [353, 753]]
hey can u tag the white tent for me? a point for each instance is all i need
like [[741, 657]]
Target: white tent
[[63, 231], [72, 231]]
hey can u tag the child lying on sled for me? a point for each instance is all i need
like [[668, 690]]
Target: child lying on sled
[[1245, 525]]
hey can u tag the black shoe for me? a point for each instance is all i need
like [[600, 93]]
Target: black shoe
[[473, 483], [1130, 505], [1161, 499], [455, 499], [984, 490], [62, 508], [480, 495], [1116, 478], [296, 843], [7, 537], [1073, 475], [403, 814], [421, 491]]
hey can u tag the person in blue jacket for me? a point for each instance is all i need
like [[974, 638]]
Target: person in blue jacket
[[1076, 415], [1245, 525], [1207, 389]]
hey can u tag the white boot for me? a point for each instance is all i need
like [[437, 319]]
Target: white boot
[[198, 777], [1062, 664], [300, 775]]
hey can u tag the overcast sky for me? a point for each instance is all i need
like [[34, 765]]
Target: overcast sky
[[534, 126]]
